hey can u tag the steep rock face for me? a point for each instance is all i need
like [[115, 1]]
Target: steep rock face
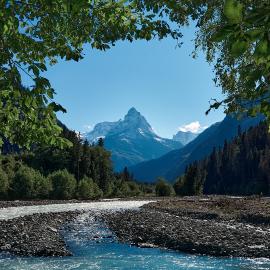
[[132, 140], [173, 164], [184, 137]]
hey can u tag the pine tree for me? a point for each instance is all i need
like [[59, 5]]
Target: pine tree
[[125, 175], [101, 142]]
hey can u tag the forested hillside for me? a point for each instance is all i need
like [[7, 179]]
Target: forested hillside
[[241, 167], [82, 171]]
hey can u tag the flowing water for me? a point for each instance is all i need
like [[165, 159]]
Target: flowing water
[[94, 247]]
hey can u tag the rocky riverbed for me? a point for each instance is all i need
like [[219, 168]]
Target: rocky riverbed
[[35, 228], [35, 235], [217, 226]]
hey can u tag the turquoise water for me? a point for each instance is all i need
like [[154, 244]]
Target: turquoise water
[[94, 247]]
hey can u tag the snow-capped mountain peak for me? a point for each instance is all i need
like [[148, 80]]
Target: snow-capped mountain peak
[[131, 140], [132, 124]]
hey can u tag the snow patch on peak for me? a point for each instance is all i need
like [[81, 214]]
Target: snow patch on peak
[[141, 131], [159, 139]]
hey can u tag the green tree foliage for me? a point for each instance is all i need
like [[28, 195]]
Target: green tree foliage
[[234, 34], [80, 160], [4, 184], [191, 182], [125, 175], [163, 188], [88, 189], [117, 188], [19, 181], [100, 142], [36, 34], [27, 184], [82, 171], [133, 189], [124, 185], [121, 188], [10, 164], [237, 39], [63, 183], [239, 168], [147, 189]]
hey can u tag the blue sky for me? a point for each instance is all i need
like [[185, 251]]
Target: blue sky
[[163, 82]]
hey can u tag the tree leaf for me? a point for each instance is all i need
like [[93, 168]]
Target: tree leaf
[[233, 10], [262, 48], [239, 47], [254, 34], [219, 36]]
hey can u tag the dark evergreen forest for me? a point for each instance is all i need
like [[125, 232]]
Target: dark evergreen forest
[[241, 167]]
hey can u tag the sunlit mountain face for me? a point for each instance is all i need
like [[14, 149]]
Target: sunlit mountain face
[[131, 140]]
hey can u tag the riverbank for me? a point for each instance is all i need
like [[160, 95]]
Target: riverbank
[[35, 235], [35, 229], [19, 203], [216, 226]]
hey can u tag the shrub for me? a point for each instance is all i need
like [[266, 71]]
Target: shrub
[[43, 187], [98, 193], [4, 184], [110, 190], [88, 189], [117, 188], [63, 184], [133, 189], [124, 189], [10, 165], [163, 188], [148, 189], [24, 183], [120, 188], [180, 187]]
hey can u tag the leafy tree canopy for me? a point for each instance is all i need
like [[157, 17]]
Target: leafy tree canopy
[[237, 39], [235, 36], [37, 33]]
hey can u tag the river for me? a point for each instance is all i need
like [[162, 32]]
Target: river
[[94, 247]]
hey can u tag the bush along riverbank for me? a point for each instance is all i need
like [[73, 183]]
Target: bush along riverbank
[[216, 226]]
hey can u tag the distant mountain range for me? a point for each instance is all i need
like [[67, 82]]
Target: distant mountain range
[[132, 140], [185, 137], [173, 164]]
